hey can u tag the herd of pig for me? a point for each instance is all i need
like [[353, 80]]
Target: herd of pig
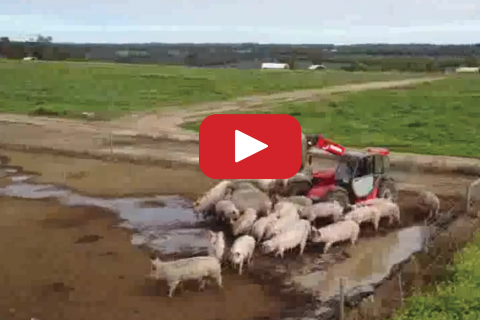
[[259, 218]]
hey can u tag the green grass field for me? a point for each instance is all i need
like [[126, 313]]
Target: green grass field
[[442, 117], [457, 298], [117, 88]]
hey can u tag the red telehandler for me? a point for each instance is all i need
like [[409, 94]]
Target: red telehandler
[[357, 177]]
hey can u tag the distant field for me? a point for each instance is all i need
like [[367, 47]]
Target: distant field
[[75, 87], [456, 298], [441, 117]]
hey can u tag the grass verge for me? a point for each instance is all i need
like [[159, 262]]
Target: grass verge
[[74, 87], [456, 298], [436, 118]]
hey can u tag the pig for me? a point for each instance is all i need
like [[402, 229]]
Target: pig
[[323, 210], [283, 209], [260, 226], [281, 224], [208, 201], [241, 251], [296, 235], [429, 201], [336, 232], [387, 209], [365, 214], [244, 224], [251, 199], [196, 268], [226, 211], [217, 241]]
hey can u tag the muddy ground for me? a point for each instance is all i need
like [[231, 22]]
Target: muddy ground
[[61, 262], [419, 274]]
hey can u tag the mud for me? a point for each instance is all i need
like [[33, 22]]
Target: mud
[[95, 265], [110, 179], [418, 274]]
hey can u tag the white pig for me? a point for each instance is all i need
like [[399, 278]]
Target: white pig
[[260, 226], [244, 224], [226, 211], [323, 210], [387, 209], [217, 241], [429, 201], [336, 232], [365, 214], [241, 251], [293, 237], [280, 225], [208, 201]]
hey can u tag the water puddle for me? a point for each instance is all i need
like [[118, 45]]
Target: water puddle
[[369, 262], [163, 223]]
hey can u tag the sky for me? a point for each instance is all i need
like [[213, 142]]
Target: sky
[[262, 21]]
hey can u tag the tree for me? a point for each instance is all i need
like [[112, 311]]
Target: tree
[[191, 59], [43, 39], [316, 57], [471, 61]]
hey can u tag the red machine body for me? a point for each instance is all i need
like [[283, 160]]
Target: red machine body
[[359, 176]]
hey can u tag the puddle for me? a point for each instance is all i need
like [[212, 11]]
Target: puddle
[[170, 227], [369, 262]]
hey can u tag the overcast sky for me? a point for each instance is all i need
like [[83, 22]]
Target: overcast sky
[[264, 21]]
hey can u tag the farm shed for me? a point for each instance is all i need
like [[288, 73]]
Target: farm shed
[[271, 65], [468, 70]]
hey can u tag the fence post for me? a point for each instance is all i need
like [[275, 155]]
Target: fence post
[[467, 201], [111, 144], [342, 299], [400, 287]]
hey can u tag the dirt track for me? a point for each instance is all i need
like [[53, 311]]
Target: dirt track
[[169, 119]]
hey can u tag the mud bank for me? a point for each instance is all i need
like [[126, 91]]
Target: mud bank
[[188, 143], [111, 179], [98, 177]]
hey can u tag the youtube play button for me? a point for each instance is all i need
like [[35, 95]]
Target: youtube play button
[[250, 146], [245, 146]]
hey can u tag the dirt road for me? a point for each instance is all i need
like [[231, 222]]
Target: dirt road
[[169, 119]]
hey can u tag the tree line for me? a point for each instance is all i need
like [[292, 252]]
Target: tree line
[[366, 57]]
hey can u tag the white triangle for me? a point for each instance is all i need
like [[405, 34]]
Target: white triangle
[[245, 146]]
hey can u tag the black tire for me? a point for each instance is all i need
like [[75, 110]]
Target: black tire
[[388, 189], [340, 195]]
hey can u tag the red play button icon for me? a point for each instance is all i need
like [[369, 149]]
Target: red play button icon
[[250, 146]]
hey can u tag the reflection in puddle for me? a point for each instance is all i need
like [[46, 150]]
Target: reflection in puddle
[[170, 228], [370, 262]]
